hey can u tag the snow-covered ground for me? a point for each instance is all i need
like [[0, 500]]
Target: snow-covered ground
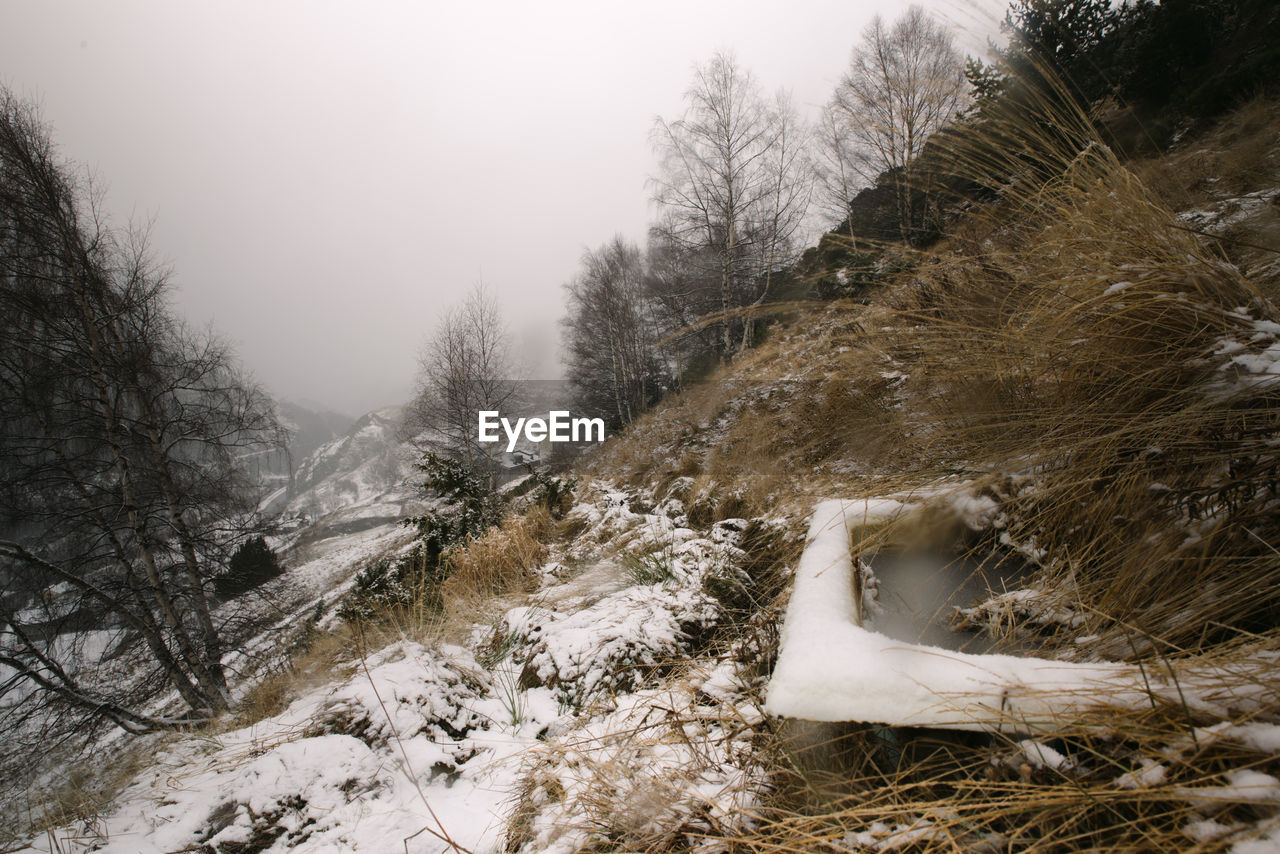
[[435, 746], [608, 707]]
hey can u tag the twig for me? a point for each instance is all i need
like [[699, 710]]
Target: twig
[[442, 834]]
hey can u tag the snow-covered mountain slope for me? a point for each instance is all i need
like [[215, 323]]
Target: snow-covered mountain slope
[[431, 743], [311, 426], [358, 479]]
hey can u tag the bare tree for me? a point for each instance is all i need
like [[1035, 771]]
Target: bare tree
[[465, 367], [904, 83], [680, 294], [611, 335], [836, 167], [123, 442], [730, 183], [777, 222]]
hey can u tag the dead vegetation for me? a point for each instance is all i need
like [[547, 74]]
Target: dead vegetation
[[312, 663], [1238, 155], [1105, 371], [1124, 779], [71, 806], [500, 562]]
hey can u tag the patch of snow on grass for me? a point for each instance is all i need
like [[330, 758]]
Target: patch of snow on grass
[[662, 768], [421, 732]]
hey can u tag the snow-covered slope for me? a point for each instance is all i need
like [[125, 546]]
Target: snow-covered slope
[[355, 480], [431, 745], [311, 425]]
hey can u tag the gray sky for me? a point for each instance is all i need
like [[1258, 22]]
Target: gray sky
[[325, 177]]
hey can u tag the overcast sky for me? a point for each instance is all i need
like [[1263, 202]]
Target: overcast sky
[[325, 177]]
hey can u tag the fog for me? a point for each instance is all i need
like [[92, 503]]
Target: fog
[[324, 179]]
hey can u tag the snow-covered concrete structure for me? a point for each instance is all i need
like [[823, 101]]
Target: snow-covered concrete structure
[[833, 668]]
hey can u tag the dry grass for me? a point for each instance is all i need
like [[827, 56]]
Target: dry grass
[[582, 790], [499, 562], [1241, 155], [311, 665], [809, 413], [1088, 347], [1071, 347], [71, 810], [1238, 155], [1125, 779]]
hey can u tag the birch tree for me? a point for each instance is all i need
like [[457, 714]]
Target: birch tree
[[729, 184], [123, 438], [905, 81], [836, 167], [610, 334], [779, 216], [465, 367]]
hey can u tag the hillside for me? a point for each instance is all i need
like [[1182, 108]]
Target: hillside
[[1060, 423], [359, 474]]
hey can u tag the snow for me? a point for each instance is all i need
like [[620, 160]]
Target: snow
[[1040, 755], [1151, 773], [881, 837], [603, 647], [1244, 785], [1229, 212], [1207, 830], [1249, 362], [591, 679], [977, 512], [1267, 841], [1041, 607], [359, 766], [699, 770], [594, 713], [1262, 737], [581, 645], [321, 575]]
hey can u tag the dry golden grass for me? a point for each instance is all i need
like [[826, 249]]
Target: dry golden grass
[[1241, 155], [809, 413], [650, 778], [1089, 349], [311, 665], [1125, 779], [70, 810], [1070, 348], [1248, 160], [499, 562]]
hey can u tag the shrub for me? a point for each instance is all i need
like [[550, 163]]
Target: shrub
[[393, 584], [253, 564], [471, 507]]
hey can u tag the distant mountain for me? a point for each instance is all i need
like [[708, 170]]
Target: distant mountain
[[354, 479], [312, 425], [363, 475]]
